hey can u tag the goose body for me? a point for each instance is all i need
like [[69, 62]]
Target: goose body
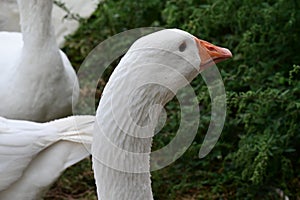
[[37, 81], [149, 74], [33, 155], [10, 17]]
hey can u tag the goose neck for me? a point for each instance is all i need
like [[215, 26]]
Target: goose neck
[[122, 142], [35, 19]]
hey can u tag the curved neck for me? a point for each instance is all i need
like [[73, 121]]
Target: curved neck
[[35, 19], [122, 138]]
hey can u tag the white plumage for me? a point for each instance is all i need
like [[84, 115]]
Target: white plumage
[[149, 74], [37, 81], [33, 155], [10, 20]]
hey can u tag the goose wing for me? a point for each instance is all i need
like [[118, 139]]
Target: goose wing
[[20, 142], [39, 152]]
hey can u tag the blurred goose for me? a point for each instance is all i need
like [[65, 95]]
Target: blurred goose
[[10, 20], [149, 74], [37, 81], [33, 155]]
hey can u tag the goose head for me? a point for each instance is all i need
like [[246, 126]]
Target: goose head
[[200, 53], [171, 57]]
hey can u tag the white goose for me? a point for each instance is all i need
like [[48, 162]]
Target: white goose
[[153, 67], [33, 155], [10, 20], [37, 81]]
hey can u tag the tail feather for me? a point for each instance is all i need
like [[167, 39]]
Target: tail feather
[[34, 155], [75, 128]]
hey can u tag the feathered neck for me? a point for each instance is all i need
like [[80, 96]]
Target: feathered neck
[[35, 19], [40, 48], [126, 118]]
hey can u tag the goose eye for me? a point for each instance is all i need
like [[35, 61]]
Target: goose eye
[[182, 47]]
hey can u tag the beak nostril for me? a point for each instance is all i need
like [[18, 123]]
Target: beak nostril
[[211, 48]]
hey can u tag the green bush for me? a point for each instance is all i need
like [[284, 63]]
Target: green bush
[[259, 147]]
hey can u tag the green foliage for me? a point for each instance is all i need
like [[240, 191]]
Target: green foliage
[[259, 147]]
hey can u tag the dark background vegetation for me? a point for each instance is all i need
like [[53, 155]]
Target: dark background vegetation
[[258, 152]]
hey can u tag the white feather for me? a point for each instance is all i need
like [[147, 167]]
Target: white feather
[[33, 155]]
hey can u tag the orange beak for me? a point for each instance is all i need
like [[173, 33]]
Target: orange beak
[[211, 54]]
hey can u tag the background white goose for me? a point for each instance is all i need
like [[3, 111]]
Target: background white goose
[[10, 20], [121, 146], [33, 155], [37, 80]]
